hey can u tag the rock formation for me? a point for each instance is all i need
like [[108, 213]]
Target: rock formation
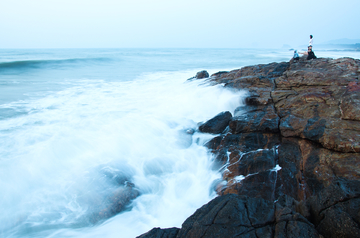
[[290, 158], [200, 75]]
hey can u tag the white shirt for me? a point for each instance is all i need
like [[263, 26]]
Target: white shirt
[[311, 41]]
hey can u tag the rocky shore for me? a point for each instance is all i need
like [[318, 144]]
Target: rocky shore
[[290, 158]]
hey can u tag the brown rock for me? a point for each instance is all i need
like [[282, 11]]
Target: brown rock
[[350, 102], [313, 98], [202, 74], [258, 79], [320, 72], [307, 167]]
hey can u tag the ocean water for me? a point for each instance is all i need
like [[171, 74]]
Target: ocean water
[[77, 124]]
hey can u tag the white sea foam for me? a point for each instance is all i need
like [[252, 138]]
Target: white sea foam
[[53, 157]]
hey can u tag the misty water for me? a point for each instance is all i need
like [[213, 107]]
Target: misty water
[[76, 125]]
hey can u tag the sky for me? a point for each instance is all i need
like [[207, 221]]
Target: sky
[[175, 23]]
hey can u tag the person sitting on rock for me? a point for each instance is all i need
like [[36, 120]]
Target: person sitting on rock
[[310, 54], [296, 56]]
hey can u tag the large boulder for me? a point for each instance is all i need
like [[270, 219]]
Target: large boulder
[[200, 75], [216, 124]]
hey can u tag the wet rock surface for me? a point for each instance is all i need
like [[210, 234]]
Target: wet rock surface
[[118, 201], [200, 75], [161, 233], [241, 216], [255, 118], [335, 210], [290, 158], [216, 124]]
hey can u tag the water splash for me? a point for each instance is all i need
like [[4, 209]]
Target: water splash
[[69, 151]]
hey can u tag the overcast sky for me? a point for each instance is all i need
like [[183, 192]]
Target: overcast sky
[[175, 23]]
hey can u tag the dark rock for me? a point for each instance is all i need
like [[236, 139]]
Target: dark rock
[[160, 233], [217, 124], [338, 223], [306, 167], [299, 160], [214, 143], [243, 154], [221, 157], [116, 198], [252, 100], [115, 203], [339, 191], [254, 119], [229, 216], [218, 74], [200, 75], [246, 142], [256, 161], [261, 185], [335, 210], [290, 223], [239, 216]]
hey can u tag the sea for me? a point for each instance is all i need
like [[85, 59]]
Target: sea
[[77, 125]]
